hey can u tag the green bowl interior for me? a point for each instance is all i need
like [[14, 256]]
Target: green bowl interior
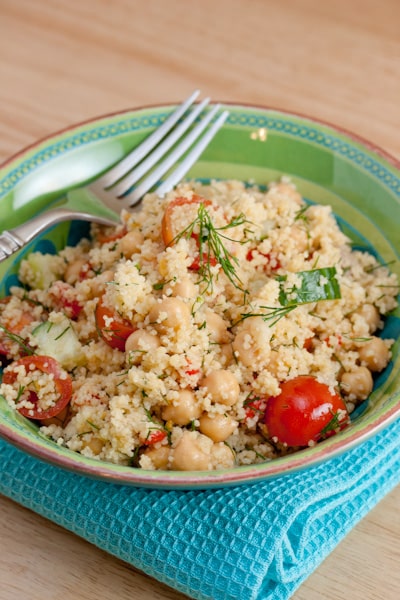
[[257, 146]]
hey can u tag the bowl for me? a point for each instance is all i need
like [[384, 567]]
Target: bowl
[[329, 166]]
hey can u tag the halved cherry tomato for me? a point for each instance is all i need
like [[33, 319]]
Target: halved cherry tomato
[[44, 364], [167, 220], [111, 327], [304, 412], [15, 327]]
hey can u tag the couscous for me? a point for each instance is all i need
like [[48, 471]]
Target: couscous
[[221, 325]]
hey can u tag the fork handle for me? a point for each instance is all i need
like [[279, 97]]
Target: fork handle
[[13, 240]]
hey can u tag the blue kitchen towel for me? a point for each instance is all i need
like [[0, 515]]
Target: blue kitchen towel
[[252, 542]]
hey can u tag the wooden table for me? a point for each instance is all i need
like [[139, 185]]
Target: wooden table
[[68, 60]]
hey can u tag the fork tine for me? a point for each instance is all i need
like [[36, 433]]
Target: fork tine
[[132, 159], [192, 157], [153, 158], [172, 158]]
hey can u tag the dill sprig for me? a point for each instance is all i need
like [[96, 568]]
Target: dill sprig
[[300, 215], [356, 339], [63, 333], [379, 265], [269, 313], [211, 245], [335, 423], [14, 337]]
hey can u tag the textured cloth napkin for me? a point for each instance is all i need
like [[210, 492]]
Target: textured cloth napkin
[[252, 542]]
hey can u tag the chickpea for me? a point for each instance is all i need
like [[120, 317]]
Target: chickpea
[[223, 387], [371, 316], [374, 354], [243, 346], [73, 270], [226, 353], [217, 427], [158, 456], [357, 384], [95, 444], [131, 243], [185, 288], [222, 456], [170, 313], [192, 453], [140, 342], [61, 419], [217, 327], [252, 343], [184, 410]]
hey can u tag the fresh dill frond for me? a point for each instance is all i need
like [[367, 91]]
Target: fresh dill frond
[[14, 337], [270, 313], [379, 265], [62, 333], [211, 246], [300, 215]]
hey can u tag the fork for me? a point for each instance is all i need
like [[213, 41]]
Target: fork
[[141, 171]]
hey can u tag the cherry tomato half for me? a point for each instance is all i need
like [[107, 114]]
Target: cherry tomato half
[[111, 327], [167, 229], [304, 412], [44, 364]]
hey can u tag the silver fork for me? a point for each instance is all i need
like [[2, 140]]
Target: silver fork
[[105, 197]]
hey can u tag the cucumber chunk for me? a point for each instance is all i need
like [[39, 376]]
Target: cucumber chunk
[[59, 340], [41, 270]]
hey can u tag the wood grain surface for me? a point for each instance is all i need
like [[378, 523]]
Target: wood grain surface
[[65, 61]]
